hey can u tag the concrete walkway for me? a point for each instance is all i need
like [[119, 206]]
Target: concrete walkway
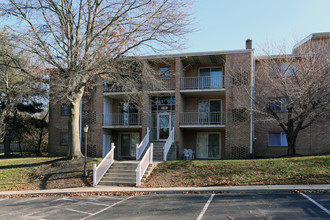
[[174, 190]]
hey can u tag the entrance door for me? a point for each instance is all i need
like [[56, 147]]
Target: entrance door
[[163, 125], [208, 145], [127, 144]]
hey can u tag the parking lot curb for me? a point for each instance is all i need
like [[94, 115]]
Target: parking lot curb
[[114, 190]]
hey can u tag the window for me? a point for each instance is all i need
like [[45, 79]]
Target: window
[[65, 109], [209, 112], [278, 104], [128, 114], [165, 71], [208, 145], [64, 139], [210, 78], [285, 69], [277, 139]]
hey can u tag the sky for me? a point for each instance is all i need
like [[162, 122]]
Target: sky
[[226, 24]]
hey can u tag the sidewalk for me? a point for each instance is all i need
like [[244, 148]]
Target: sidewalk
[[178, 190]]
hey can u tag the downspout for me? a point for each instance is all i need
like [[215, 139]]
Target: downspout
[[251, 105]]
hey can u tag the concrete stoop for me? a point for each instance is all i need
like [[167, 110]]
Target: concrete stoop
[[123, 173]]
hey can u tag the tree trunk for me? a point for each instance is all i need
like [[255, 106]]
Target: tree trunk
[[7, 142], [38, 150], [74, 129]]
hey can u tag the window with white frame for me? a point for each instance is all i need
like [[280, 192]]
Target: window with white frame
[[165, 71], [278, 104], [64, 138], [284, 69], [277, 139], [210, 78]]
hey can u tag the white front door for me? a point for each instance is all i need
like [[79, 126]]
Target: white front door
[[163, 125]]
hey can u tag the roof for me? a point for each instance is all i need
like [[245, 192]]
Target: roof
[[313, 36], [207, 53]]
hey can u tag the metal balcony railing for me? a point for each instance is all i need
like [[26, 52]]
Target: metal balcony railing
[[202, 118], [203, 82], [122, 119]]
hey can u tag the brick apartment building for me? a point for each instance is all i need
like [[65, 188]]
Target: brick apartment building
[[195, 108]]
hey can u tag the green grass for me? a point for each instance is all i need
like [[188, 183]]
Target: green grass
[[16, 173], [22, 173], [297, 170]]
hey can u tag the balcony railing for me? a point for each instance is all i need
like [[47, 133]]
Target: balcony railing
[[122, 119], [203, 82], [109, 87], [202, 118], [162, 84]]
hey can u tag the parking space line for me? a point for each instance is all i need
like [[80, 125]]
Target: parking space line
[[2, 199], [102, 210], [316, 203], [205, 207]]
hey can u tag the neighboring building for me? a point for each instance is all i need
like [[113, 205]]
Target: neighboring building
[[197, 100]]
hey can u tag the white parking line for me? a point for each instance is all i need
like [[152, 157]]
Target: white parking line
[[316, 203], [108, 207], [205, 207], [2, 199]]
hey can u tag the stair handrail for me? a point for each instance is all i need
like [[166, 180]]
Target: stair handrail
[[100, 170], [142, 146], [144, 164], [168, 144]]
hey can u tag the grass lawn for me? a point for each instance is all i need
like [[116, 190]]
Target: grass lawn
[[297, 170], [43, 173]]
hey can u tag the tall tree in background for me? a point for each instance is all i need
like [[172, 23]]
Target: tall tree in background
[[20, 94], [292, 91], [80, 39]]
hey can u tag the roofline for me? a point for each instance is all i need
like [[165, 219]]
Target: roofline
[[282, 56], [207, 53], [321, 35]]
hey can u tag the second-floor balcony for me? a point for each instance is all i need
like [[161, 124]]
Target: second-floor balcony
[[164, 84], [122, 119], [202, 118], [202, 82]]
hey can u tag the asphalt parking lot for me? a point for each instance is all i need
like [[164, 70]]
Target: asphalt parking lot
[[186, 206]]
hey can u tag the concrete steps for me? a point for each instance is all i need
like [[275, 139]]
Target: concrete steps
[[120, 173], [158, 150], [123, 173]]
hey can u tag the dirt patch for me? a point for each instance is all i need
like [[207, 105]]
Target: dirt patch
[[63, 173]]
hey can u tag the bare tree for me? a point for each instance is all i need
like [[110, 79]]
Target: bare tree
[[20, 94], [292, 91], [79, 40]]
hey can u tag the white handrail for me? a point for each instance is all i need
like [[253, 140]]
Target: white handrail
[[144, 163], [168, 144], [142, 146], [103, 167]]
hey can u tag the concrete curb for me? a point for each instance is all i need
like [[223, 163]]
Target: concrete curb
[[175, 190]]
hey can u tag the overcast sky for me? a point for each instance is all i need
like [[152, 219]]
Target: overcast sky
[[226, 24]]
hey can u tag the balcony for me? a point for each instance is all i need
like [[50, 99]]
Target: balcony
[[202, 119], [202, 82], [164, 84], [131, 120]]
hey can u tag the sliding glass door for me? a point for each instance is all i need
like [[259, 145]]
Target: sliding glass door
[[208, 145]]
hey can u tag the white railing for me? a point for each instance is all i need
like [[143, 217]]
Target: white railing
[[168, 144], [122, 119], [144, 163], [140, 147], [202, 82], [103, 167], [202, 118]]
